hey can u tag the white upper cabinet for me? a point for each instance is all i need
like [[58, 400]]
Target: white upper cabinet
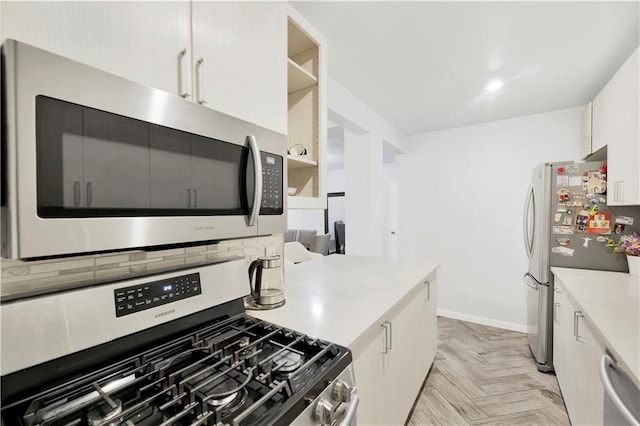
[[140, 41], [616, 113], [238, 67], [240, 61], [586, 148]]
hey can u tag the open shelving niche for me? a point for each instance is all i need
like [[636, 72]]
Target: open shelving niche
[[303, 87]]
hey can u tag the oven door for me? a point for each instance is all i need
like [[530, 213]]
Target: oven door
[[96, 162]]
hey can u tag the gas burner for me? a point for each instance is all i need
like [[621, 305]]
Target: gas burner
[[287, 361], [108, 411]]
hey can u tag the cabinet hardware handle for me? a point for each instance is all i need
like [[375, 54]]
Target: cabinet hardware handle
[[188, 198], [183, 72], [555, 313], [428, 285], [390, 334], [89, 194], [201, 81], [618, 190], [385, 337], [605, 363], [195, 198], [576, 331], [76, 193]]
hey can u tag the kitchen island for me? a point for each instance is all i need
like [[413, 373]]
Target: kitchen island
[[382, 309]]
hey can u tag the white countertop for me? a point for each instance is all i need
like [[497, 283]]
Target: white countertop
[[337, 298], [611, 302]]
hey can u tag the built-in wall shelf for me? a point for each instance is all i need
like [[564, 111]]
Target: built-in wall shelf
[[300, 161], [306, 114], [298, 77]]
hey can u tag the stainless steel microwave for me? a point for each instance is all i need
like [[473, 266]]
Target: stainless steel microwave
[[93, 162]]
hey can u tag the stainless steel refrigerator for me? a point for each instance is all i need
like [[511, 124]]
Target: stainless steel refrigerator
[[566, 224]]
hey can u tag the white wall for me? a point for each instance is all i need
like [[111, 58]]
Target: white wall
[[461, 199], [335, 181], [364, 179], [348, 111], [306, 219]]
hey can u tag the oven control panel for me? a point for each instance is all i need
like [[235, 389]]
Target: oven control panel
[[149, 295]]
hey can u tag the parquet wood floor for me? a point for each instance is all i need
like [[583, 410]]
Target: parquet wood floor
[[486, 376]]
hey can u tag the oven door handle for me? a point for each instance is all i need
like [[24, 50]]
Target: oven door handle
[[257, 176], [351, 412]]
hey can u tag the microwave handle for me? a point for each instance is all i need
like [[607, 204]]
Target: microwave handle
[[257, 175]]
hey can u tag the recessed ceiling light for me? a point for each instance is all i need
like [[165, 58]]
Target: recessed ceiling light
[[493, 86]]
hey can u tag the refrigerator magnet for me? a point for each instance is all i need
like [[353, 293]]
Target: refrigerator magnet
[[557, 217], [565, 251], [625, 220], [563, 195], [582, 219], [572, 168], [562, 207], [619, 228], [563, 241], [567, 220], [600, 223], [586, 241], [563, 230], [595, 182], [562, 181], [575, 180], [601, 239]]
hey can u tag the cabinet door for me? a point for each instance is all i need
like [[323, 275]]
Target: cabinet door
[[592, 404], [576, 361], [140, 41], [559, 332], [403, 372], [116, 161], [616, 113], [170, 163], [239, 61], [372, 384]]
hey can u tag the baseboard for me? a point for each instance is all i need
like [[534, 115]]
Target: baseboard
[[482, 320]]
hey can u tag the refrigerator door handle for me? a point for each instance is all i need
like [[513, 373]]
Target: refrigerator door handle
[[531, 281], [528, 243]]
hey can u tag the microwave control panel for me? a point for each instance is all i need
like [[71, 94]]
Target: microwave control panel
[[145, 296], [272, 201]]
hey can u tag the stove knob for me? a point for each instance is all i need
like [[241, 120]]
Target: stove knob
[[341, 391], [324, 412]]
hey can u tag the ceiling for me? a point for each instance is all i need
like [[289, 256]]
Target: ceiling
[[423, 66]]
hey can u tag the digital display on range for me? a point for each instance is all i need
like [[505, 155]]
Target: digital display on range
[[129, 300]]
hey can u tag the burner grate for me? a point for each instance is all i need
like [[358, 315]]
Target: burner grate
[[239, 371]]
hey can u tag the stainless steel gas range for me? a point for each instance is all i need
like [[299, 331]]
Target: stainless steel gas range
[[175, 348]]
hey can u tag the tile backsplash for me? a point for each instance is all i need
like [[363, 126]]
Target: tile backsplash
[[20, 276]]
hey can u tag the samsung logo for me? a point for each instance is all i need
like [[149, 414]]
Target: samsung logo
[[204, 228], [161, 314]]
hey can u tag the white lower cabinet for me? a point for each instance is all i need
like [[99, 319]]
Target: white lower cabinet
[[393, 357], [576, 359]]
